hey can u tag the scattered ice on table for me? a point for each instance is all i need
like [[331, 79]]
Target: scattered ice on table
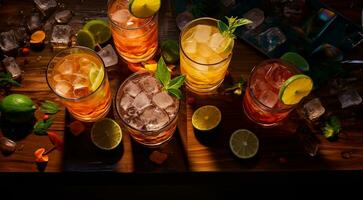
[[20, 35], [314, 109], [34, 22], [60, 36], [108, 55], [141, 101], [202, 33], [257, 17], [276, 75], [132, 89], [76, 24], [308, 139], [271, 38], [12, 67], [62, 88], [350, 98], [48, 26], [8, 41], [268, 98], [149, 84], [154, 118], [183, 18], [46, 7], [63, 17], [163, 100]]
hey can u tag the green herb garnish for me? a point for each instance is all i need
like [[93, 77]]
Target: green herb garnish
[[238, 87], [233, 23], [332, 127], [41, 127], [163, 75], [49, 107], [6, 79]]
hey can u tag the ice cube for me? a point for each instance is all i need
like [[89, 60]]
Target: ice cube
[[268, 98], [62, 88], [20, 35], [204, 51], [163, 100], [154, 118], [202, 33], [120, 16], [256, 15], [149, 84], [60, 36], [314, 109], [46, 7], [141, 101], [350, 98], [34, 22], [277, 75], [80, 90], [172, 110], [126, 101], [136, 123], [190, 47], [48, 26], [66, 67], [217, 42], [63, 17], [183, 18], [12, 67], [132, 89], [271, 38], [8, 41], [108, 55]]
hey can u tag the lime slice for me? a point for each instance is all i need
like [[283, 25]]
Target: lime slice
[[296, 60], [206, 118], [244, 144], [95, 77], [99, 29], [106, 134], [144, 8], [85, 38], [295, 88]]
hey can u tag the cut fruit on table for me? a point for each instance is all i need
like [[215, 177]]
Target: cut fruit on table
[[144, 8], [85, 38], [37, 37], [206, 118], [99, 30], [244, 144], [106, 134], [296, 60], [295, 88]]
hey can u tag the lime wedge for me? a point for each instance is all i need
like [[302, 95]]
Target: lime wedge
[[244, 144], [296, 60], [144, 8], [99, 29], [295, 88], [85, 38], [106, 134], [95, 77], [206, 118]]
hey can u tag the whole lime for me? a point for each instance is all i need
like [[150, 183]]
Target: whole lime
[[17, 108]]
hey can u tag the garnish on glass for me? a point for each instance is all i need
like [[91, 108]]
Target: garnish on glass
[[170, 85]]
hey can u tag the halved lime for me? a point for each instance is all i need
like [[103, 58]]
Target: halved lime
[[296, 60], [295, 88], [95, 77], [85, 38], [206, 118], [144, 8], [243, 143], [99, 29], [106, 134]]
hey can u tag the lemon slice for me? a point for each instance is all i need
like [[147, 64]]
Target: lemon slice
[[85, 38], [244, 144], [99, 30], [206, 118], [106, 134], [295, 88], [95, 77], [144, 8]]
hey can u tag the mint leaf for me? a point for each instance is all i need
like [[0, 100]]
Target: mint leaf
[[233, 24], [222, 26], [41, 127], [177, 82], [176, 92], [49, 107], [162, 72]]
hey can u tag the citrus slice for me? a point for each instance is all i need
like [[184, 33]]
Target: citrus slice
[[85, 38], [99, 29], [95, 77], [243, 143], [206, 118], [37, 37], [296, 60], [144, 8], [106, 134], [295, 88]]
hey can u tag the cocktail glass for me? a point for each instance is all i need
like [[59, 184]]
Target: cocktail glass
[[148, 113], [261, 101], [204, 55], [77, 75], [136, 39]]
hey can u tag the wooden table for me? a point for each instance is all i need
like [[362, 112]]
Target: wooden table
[[280, 149]]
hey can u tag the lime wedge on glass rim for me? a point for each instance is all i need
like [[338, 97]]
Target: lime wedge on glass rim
[[95, 77], [144, 8], [295, 88], [244, 144]]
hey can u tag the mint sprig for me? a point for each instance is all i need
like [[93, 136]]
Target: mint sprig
[[170, 85], [49, 107], [233, 24], [41, 127]]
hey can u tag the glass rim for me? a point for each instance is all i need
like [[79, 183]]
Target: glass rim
[[110, 2], [68, 49], [121, 118], [253, 71], [181, 46]]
